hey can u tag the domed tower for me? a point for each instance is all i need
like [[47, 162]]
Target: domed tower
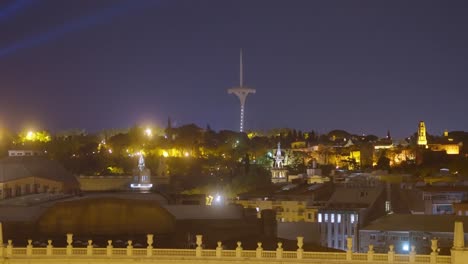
[[422, 140]]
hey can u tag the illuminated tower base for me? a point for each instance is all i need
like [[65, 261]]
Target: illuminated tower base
[[241, 93]]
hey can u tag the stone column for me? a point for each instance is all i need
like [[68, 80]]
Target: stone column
[[458, 253], [458, 236]]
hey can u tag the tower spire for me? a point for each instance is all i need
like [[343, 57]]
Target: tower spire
[[241, 70], [241, 92]]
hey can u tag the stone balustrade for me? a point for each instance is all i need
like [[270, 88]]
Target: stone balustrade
[[110, 254]]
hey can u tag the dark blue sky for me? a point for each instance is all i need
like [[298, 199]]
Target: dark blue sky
[[362, 66]]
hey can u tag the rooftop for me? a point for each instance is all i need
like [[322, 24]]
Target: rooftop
[[421, 223]]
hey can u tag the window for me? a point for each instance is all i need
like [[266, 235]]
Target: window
[[352, 218], [372, 237], [387, 206], [332, 216], [320, 218], [326, 217], [338, 218]]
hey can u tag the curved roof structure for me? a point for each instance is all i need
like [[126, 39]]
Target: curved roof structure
[[13, 168]]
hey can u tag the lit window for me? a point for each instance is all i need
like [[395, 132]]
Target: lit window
[[352, 218], [387, 206], [320, 218], [332, 216], [338, 218], [326, 218]]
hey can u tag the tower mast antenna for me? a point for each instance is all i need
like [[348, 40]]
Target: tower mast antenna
[[241, 70], [241, 92]]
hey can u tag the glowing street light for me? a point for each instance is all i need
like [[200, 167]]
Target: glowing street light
[[30, 135], [148, 132]]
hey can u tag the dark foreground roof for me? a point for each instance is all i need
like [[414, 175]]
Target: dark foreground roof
[[13, 168], [420, 223]]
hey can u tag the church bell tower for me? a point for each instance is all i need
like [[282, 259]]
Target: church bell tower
[[422, 140]]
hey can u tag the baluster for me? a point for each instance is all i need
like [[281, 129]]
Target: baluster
[[69, 242], [300, 244], [89, 248], [109, 248], [49, 248], [412, 254], [198, 250], [129, 248], [219, 250], [391, 253], [239, 249], [149, 241], [29, 248], [258, 252], [9, 248], [435, 250], [279, 250], [370, 253], [349, 248]]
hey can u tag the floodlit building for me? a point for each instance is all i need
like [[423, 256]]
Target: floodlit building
[[279, 174], [422, 140], [29, 174], [406, 230], [348, 209], [440, 199]]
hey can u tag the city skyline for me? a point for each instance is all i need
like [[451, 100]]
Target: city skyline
[[317, 65]]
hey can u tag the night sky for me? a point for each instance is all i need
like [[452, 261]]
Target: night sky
[[362, 66]]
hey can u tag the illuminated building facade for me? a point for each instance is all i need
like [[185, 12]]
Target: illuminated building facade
[[279, 174], [141, 176]]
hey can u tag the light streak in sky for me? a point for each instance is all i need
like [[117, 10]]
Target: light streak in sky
[[80, 23], [14, 7]]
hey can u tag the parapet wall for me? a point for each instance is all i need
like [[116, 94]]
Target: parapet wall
[[109, 254]]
